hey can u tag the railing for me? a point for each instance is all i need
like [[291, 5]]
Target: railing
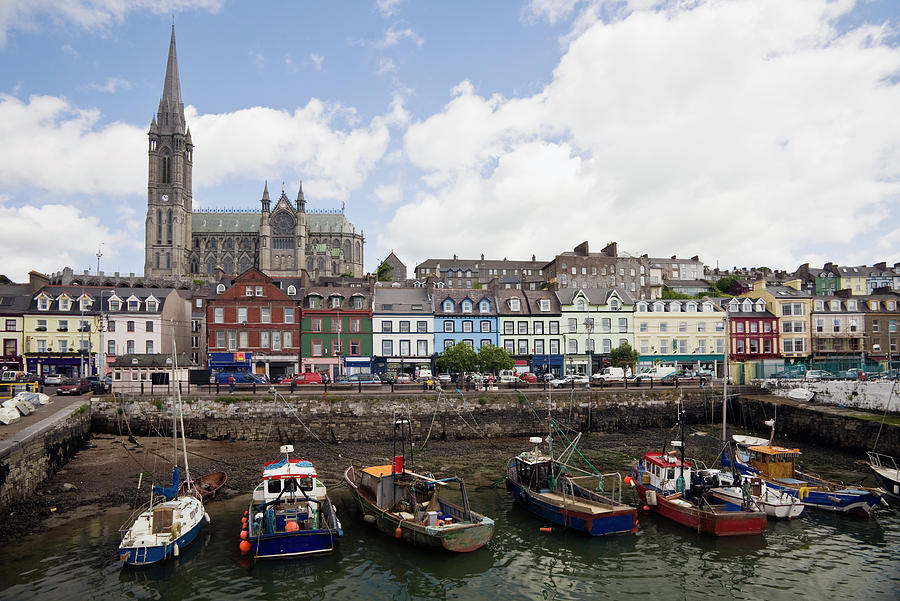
[[9, 389]]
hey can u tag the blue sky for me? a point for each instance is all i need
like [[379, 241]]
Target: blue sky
[[748, 132]]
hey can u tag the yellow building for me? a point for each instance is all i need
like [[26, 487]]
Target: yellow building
[[792, 306], [61, 331], [688, 334], [853, 279]]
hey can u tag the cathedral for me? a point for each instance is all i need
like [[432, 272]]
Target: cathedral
[[280, 240]]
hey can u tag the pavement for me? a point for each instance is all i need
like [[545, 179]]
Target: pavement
[[59, 407]]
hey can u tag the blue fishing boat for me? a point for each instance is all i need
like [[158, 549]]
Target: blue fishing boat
[[777, 466], [290, 514], [559, 492]]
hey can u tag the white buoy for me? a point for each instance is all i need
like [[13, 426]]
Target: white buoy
[[206, 517], [175, 550]]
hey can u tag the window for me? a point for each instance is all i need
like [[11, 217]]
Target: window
[[316, 347], [259, 291], [336, 324], [467, 326], [358, 302], [62, 325], [41, 345], [404, 348], [642, 326], [387, 348], [404, 327], [607, 345], [316, 325], [243, 339], [249, 290], [554, 346], [682, 326], [701, 346], [315, 302], [219, 315], [129, 326], [663, 346], [43, 303], [836, 325], [134, 305], [484, 307], [485, 325], [579, 304], [623, 324], [288, 315], [523, 346], [767, 346], [448, 305], [523, 327], [682, 346], [545, 304], [129, 347], [422, 327], [645, 347], [614, 304], [467, 306], [739, 327], [509, 327], [287, 339], [292, 290], [276, 341], [422, 348], [792, 309], [509, 346], [264, 339], [605, 324], [739, 346], [448, 326], [356, 325], [573, 324], [874, 325], [701, 326], [663, 326], [554, 327], [265, 315], [220, 339], [355, 347], [335, 302], [149, 347], [232, 340], [538, 347], [65, 304], [111, 347], [573, 347], [538, 328]]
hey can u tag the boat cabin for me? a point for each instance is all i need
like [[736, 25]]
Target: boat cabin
[[775, 463], [662, 470], [534, 470], [289, 478]]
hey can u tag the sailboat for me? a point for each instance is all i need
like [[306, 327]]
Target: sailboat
[[174, 515]]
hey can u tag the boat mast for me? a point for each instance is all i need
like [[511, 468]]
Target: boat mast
[[187, 469], [725, 381]]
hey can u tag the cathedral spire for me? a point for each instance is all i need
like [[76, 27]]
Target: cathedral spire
[[301, 202], [172, 87], [265, 198]]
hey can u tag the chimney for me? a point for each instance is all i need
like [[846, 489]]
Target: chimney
[[795, 284], [482, 256], [882, 266], [37, 280], [610, 250], [582, 249], [695, 258], [674, 257], [454, 257], [533, 258]]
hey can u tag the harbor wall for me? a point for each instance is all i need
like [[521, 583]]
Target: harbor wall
[[32, 455], [872, 395]]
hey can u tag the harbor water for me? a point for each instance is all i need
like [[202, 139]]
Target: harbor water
[[818, 555]]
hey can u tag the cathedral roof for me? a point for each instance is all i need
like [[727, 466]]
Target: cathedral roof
[[326, 223], [219, 223]]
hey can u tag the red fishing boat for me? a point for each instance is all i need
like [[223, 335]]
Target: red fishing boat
[[669, 485]]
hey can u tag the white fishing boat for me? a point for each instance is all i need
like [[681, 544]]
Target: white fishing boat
[[755, 492]]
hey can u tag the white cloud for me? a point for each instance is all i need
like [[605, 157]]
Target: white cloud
[[386, 65], [388, 195], [388, 8], [67, 49], [50, 145], [780, 142], [392, 37], [111, 85], [316, 61], [67, 237], [30, 15]]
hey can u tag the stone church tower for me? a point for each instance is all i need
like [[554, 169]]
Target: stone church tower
[[169, 183]]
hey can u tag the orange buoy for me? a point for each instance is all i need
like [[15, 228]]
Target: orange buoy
[[398, 533], [292, 526], [243, 520], [243, 535], [628, 480], [546, 529], [245, 512], [646, 508], [245, 547], [439, 523]]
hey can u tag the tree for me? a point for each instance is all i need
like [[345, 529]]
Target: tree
[[623, 356], [493, 358], [384, 271], [459, 357], [728, 285]]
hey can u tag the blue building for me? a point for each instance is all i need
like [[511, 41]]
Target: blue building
[[467, 315]]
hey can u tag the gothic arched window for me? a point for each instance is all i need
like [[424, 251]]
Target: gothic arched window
[[210, 265], [229, 265], [158, 226], [212, 243], [334, 268], [169, 227], [348, 252], [321, 264], [193, 266], [165, 166], [309, 264], [245, 263], [336, 244], [168, 261], [358, 256]]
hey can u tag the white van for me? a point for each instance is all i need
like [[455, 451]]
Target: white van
[[657, 372], [423, 373], [612, 374], [507, 376]]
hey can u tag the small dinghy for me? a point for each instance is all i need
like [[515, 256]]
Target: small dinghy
[[9, 415], [801, 394], [205, 486]]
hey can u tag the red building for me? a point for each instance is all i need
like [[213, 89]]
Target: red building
[[753, 331], [254, 315]]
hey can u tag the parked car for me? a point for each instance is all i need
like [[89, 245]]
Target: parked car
[[241, 377], [579, 380], [360, 379], [654, 373], [529, 377], [847, 374], [507, 376], [309, 377], [444, 378], [70, 386], [402, 379], [53, 380], [818, 374], [98, 385], [786, 375]]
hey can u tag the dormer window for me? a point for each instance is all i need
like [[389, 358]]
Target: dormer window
[[115, 304], [65, 303], [748, 306], [43, 303], [544, 304], [134, 304], [358, 302], [315, 302], [691, 308], [335, 302], [467, 306], [85, 303], [614, 304], [760, 306], [448, 306], [642, 307], [514, 304], [220, 289], [484, 306], [579, 304], [292, 290], [734, 306], [835, 305], [675, 307], [152, 305]]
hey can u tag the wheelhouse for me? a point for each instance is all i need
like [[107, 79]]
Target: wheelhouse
[[662, 470], [773, 462]]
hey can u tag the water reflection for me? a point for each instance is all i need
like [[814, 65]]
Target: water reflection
[[816, 555]]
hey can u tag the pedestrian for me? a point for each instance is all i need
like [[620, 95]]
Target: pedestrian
[[231, 384]]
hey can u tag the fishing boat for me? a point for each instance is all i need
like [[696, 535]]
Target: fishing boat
[[776, 465], [415, 507], [886, 473], [290, 514], [172, 520], [557, 491], [666, 484], [754, 492], [205, 485]]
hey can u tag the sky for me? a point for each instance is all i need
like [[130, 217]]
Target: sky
[[748, 132]]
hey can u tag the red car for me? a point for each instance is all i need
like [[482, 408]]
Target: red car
[[310, 377], [529, 377], [73, 387]]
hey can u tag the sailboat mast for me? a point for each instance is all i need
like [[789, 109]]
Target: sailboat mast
[[187, 469], [725, 381]]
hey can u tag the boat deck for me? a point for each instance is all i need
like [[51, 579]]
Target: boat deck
[[576, 505]]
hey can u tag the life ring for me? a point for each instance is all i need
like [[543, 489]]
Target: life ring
[[803, 493], [440, 523]]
